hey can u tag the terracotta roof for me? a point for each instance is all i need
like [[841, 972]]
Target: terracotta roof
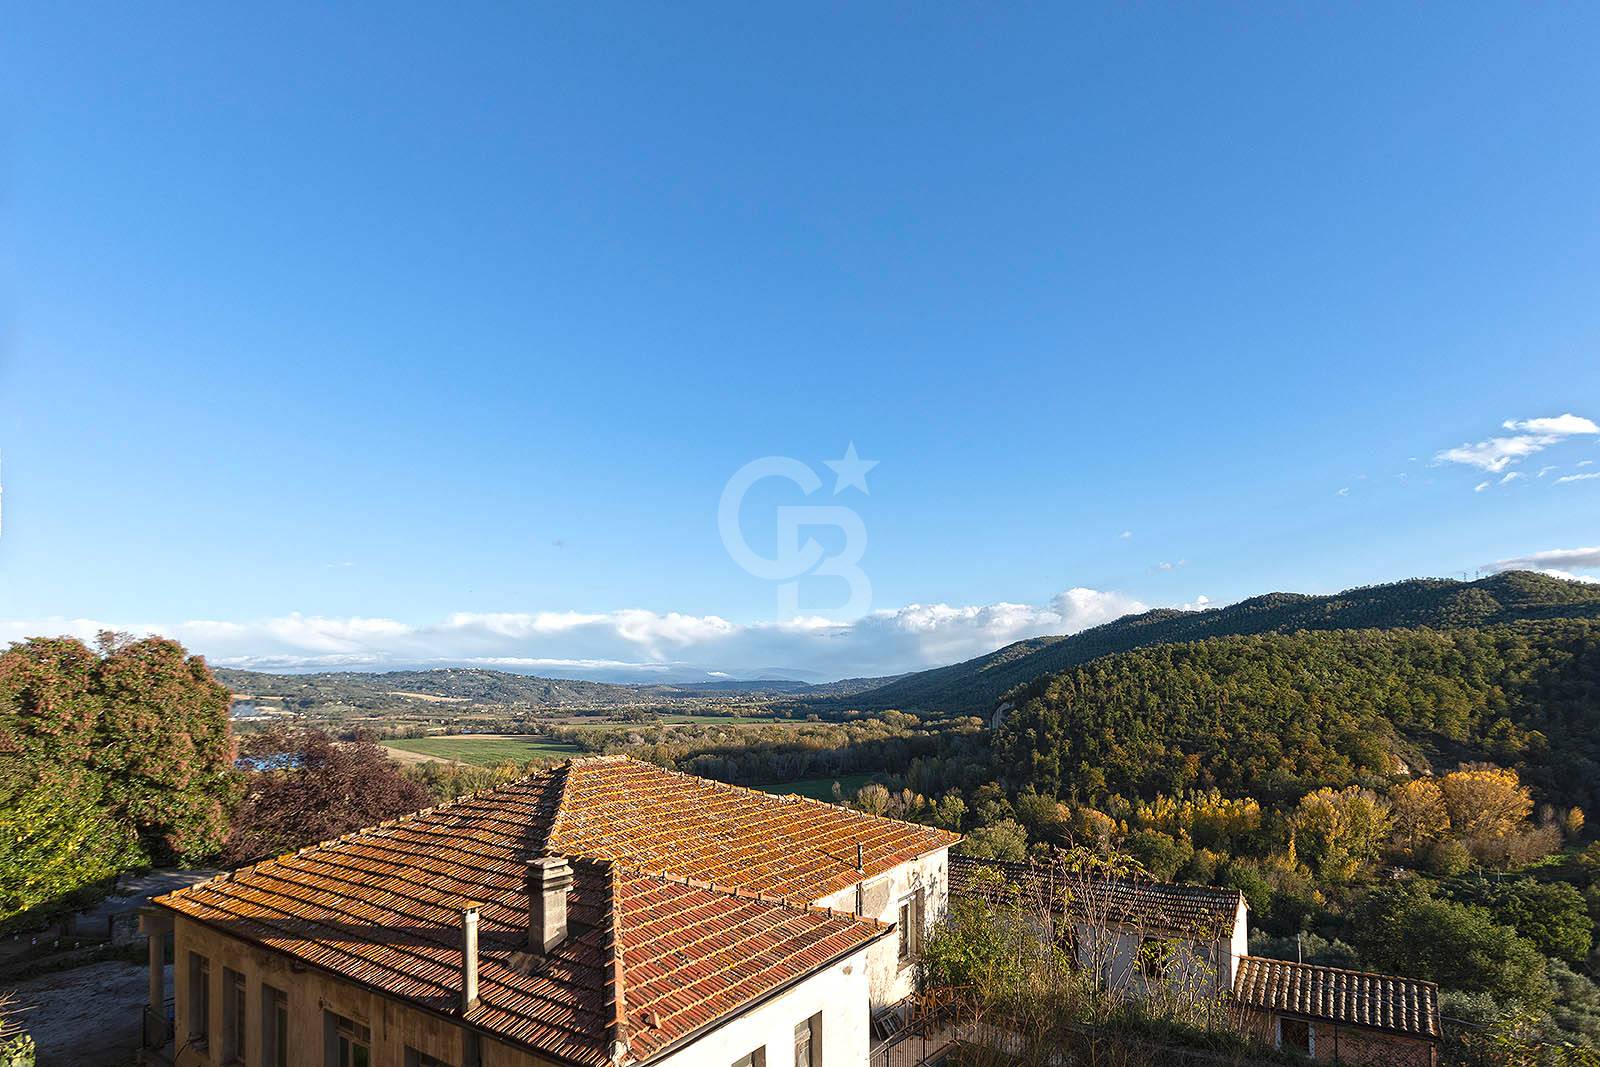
[[655, 951], [790, 847], [1165, 907], [1351, 998]]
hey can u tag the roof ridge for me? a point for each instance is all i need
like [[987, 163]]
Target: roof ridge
[[617, 1036], [558, 780], [792, 903]]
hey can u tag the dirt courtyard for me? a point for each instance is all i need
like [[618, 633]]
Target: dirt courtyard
[[85, 1017]]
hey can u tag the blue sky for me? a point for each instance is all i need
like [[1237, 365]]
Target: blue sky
[[407, 333]]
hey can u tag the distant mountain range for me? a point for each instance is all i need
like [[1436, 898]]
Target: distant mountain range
[[447, 685], [975, 686], [978, 685]]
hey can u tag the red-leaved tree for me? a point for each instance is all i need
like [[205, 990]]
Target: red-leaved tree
[[308, 787]]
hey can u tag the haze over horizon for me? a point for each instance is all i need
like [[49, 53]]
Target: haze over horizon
[[441, 339]]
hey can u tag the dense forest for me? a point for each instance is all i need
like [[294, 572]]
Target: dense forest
[[977, 685], [1277, 715]]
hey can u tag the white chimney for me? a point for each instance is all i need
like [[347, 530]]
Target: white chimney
[[469, 957], [549, 879]]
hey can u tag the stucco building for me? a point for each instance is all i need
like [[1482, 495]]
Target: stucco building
[[1195, 939], [606, 912]]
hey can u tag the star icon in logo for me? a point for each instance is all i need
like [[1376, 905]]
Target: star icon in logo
[[851, 469]]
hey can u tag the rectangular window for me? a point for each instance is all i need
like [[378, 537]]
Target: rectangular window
[[232, 1016], [758, 1058], [415, 1058], [910, 924], [199, 999], [274, 1027], [1295, 1034], [349, 1043], [808, 1042]]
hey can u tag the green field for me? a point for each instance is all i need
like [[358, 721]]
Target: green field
[[676, 720], [485, 751], [822, 788]]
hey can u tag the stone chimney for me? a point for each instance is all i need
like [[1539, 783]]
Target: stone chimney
[[469, 957], [549, 879]]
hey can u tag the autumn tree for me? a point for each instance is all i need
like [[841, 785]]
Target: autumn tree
[[1419, 814], [110, 758], [873, 798], [1338, 832], [165, 745], [310, 787], [1487, 806]]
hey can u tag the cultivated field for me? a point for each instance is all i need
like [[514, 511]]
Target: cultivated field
[[483, 750], [821, 788]]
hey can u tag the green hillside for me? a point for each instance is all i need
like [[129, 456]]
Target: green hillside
[[1277, 715], [977, 685]]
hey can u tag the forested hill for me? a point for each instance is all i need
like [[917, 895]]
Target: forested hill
[[1277, 715], [473, 685], [976, 685]]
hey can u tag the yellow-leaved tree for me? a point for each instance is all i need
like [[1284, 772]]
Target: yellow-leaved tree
[[1337, 832]]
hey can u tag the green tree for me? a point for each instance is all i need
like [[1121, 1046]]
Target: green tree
[[1553, 915], [114, 757], [1005, 840], [1161, 854], [1406, 930]]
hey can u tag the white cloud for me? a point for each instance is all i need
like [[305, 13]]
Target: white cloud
[[1557, 562], [1199, 603], [1511, 476], [1343, 492], [1565, 478], [1560, 425], [1480, 487], [1580, 558], [1126, 535], [1532, 436], [1585, 462], [1546, 469], [1494, 454], [624, 644]]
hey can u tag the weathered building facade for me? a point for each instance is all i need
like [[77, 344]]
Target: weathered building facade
[[1194, 940], [604, 913]]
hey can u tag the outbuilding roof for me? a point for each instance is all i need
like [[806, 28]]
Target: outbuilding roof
[[1156, 907], [1351, 998]]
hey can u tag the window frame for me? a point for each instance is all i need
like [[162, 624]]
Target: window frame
[[811, 1031], [910, 918], [338, 1027], [234, 1015], [1310, 1047], [756, 1057], [274, 1045], [199, 1019]]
